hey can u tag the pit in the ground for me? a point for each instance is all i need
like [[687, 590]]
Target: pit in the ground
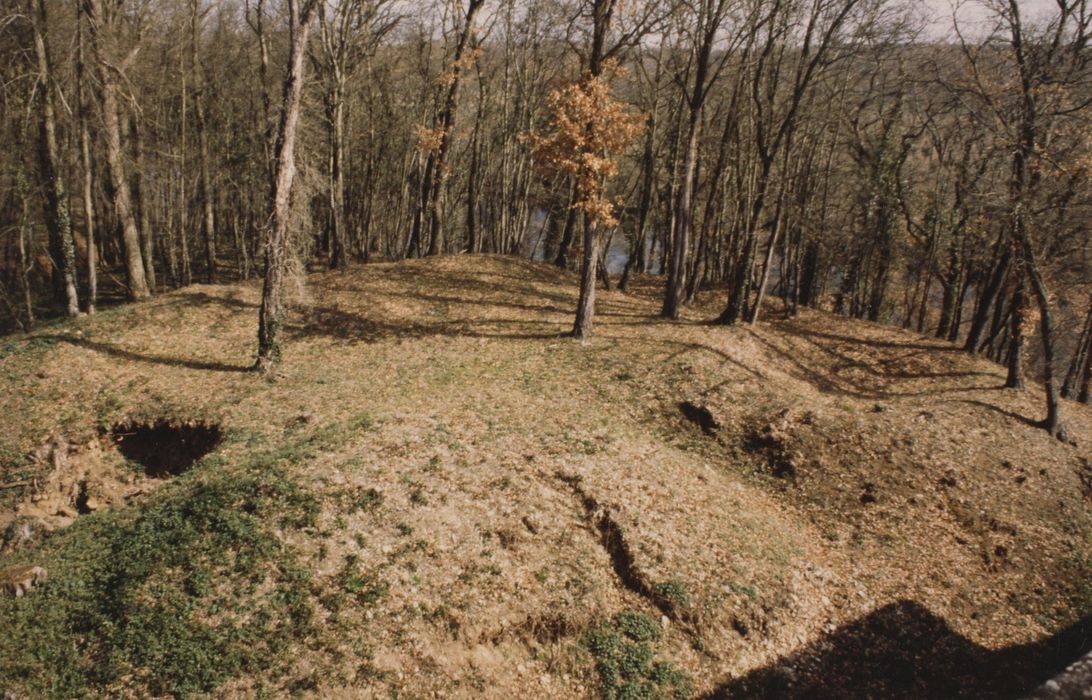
[[166, 448]]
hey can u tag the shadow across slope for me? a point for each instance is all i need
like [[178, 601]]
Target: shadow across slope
[[904, 651]]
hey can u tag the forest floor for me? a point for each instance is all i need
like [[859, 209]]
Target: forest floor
[[439, 495]]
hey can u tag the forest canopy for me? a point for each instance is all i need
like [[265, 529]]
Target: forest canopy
[[859, 156]]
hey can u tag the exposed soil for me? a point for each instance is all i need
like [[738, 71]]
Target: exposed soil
[[72, 477], [868, 493]]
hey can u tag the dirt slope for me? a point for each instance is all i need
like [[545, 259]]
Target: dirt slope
[[441, 496]]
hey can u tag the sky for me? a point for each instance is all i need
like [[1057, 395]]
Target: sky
[[971, 14]]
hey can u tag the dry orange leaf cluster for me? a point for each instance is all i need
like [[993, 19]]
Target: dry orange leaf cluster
[[587, 130]]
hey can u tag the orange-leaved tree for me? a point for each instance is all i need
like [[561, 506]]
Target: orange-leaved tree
[[587, 130]]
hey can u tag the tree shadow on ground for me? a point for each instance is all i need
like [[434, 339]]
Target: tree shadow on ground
[[344, 325], [904, 651], [1008, 414], [836, 379], [799, 328], [199, 298], [124, 354]]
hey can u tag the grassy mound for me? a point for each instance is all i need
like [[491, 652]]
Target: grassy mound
[[439, 494]]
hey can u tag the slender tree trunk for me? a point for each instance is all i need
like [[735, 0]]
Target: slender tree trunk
[[58, 218], [208, 219], [122, 195], [142, 201], [1053, 422], [339, 232], [85, 164], [957, 316], [637, 254], [779, 223], [1015, 379], [1086, 381], [447, 124], [602, 12], [740, 288], [951, 288], [988, 298], [24, 238], [566, 248], [676, 273], [585, 310], [1070, 387], [271, 315], [472, 242]]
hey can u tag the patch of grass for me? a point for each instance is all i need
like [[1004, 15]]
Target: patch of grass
[[30, 348], [626, 661], [744, 589], [638, 627], [674, 592], [134, 597], [370, 500], [173, 599], [366, 587]]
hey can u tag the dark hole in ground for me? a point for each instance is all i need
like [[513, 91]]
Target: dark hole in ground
[[702, 416], [166, 448], [82, 498]]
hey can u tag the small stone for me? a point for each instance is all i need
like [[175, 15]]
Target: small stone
[[532, 524], [21, 580], [24, 533]]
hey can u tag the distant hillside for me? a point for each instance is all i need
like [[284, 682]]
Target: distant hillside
[[440, 496]]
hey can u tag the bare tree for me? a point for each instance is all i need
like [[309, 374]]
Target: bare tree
[[1030, 105], [58, 217], [271, 315], [703, 68], [102, 21]]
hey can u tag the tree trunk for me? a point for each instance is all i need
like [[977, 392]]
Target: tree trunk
[[1053, 422], [85, 164], [566, 248], [1086, 381], [1070, 387], [24, 237], [208, 220], [951, 288], [122, 195], [271, 315], [585, 310], [57, 215], [637, 255], [1015, 379], [339, 233], [447, 123], [676, 273], [988, 298], [141, 200]]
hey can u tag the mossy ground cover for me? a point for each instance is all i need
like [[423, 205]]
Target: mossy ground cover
[[136, 597]]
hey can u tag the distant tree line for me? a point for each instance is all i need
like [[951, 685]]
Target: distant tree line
[[787, 153]]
